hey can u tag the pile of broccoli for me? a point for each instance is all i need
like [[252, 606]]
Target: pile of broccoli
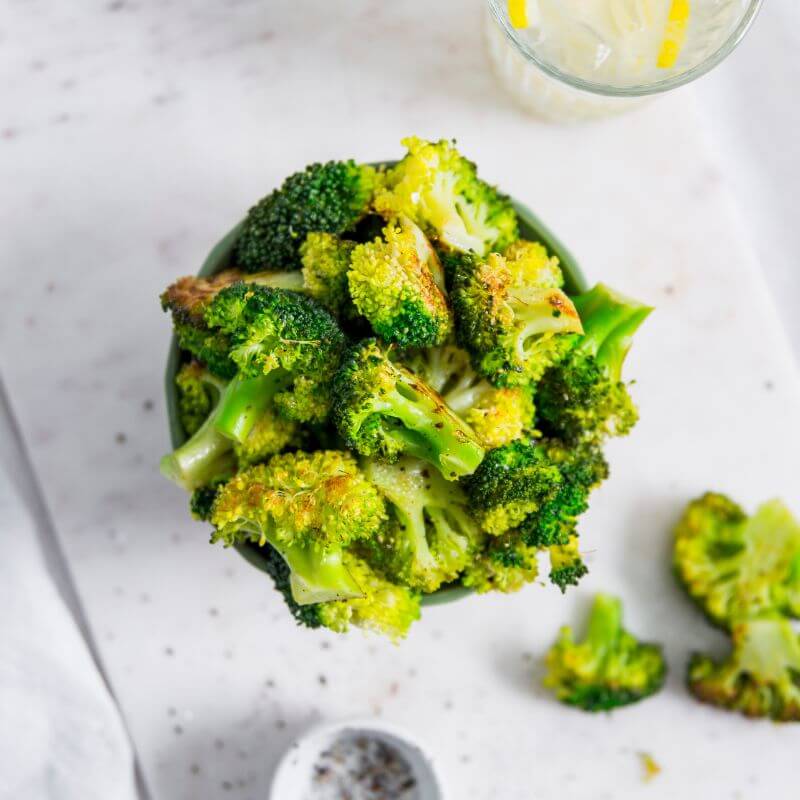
[[388, 391], [744, 574]]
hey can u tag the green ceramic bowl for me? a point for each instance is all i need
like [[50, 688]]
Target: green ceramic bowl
[[220, 257]]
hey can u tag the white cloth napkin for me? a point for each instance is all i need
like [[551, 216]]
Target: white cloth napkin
[[61, 735]]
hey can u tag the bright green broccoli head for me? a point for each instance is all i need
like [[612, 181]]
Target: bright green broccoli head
[[497, 416], [431, 535], [511, 483], [566, 564], [278, 331], [440, 190], [582, 469], [733, 565], [198, 393], [505, 564], [513, 329], [326, 261], [383, 409], [761, 677], [609, 668], [385, 608], [583, 397], [328, 198], [393, 283], [534, 265]]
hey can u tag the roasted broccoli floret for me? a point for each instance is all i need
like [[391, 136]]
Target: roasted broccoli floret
[[610, 668], [583, 396], [328, 198], [733, 565], [496, 415], [285, 335], [566, 564], [308, 506], [505, 564], [326, 261], [511, 483], [582, 469], [430, 536], [533, 261], [440, 190], [761, 677], [383, 409], [513, 328], [393, 283]]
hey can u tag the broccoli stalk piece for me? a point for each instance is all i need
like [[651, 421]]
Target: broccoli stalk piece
[[496, 415], [440, 191], [761, 677], [733, 565], [505, 564], [566, 564], [513, 328], [396, 283], [431, 535], [308, 507], [385, 410], [282, 334], [583, 397], [328, 198], [610, 668]]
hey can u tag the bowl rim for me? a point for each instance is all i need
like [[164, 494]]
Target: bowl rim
[[531, 227]]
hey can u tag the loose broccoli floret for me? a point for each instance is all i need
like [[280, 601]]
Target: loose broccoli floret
[[511, 483], [733, 565], [440, 190], [431, 535], [583, 397], [582, 469], [383, 409], [208, 454], [326, 260], [283, 334], [513, 328], [329, 198], [308, 506], [566, 564], [506, 564], [497, 416], [761, 677], [393, 283], [198, 392], [610, 668], [538, 267]]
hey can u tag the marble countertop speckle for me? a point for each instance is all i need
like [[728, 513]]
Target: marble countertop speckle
[[133, 134]]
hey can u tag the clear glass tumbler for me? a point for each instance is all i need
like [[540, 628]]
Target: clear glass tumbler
[[564, 67]]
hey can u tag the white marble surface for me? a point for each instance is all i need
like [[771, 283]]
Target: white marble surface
[[132, 134]]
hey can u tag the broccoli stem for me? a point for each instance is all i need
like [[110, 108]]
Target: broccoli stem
[[609, 322], [430, 431], [243, 403], [318, 574], [293, 281], [605, 624]]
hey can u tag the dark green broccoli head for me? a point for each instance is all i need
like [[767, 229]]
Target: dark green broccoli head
[[274, 330], [430, 537], [329, 198], [439, 189], [733, 565], [395, 282], [609, 668], [761, 677], [513, 329], [212, 348], [511, 483], [201, 501], [383, 409], [583, 396]]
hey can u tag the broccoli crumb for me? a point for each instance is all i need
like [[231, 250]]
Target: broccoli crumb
[[650, 767]]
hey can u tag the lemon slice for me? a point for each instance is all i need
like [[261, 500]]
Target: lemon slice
[[675, 34], [518, 13]]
